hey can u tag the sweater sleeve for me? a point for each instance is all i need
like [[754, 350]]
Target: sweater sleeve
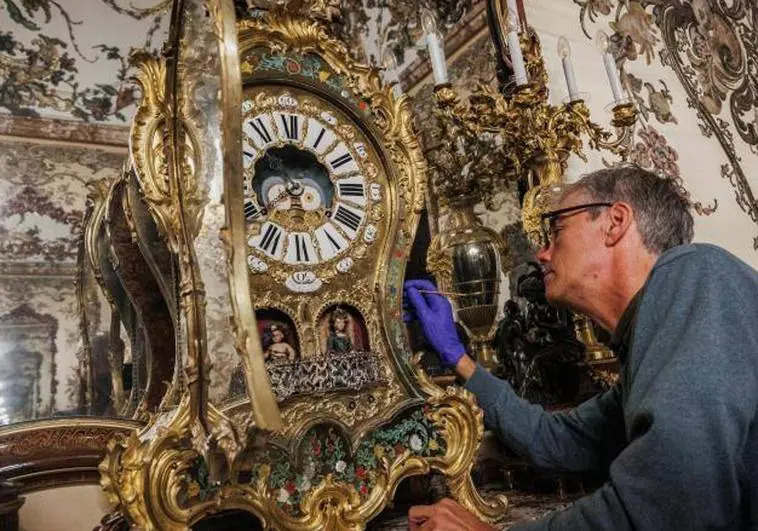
[[690, 406], [585, 438]]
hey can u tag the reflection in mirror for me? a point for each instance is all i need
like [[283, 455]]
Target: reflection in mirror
[[143, 293], [27, 362]]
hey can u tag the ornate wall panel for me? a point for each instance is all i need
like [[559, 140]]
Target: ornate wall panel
[[42, 195], [71, 59]]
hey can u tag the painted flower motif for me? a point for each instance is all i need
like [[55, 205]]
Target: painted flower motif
[[655, 153], [416, 443], [640, 156], [637, 24], [303, 483], [601, 6], [309, 470], [379, 451], [291, 487], [433, 445], [340, 466], [363, 490], [293, 67], [284, 496]]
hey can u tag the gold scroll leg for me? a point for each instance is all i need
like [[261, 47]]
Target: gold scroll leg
[[461, 420]]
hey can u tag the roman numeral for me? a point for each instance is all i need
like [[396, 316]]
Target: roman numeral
[[270, 240], [351, 189], [290, 123], [260, 128], [251, 210], [341, 160], [318, 138], [301, 250], [330, 241], [347, 217], [335, 245]]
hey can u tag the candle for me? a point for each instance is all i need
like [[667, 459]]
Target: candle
[[514, 45], [513, 11], [434, 45], [610, 66], [564, 51]]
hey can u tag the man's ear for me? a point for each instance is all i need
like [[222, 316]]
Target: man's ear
[[620, 219]]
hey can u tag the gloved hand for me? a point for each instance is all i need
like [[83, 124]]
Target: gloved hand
[[436, 317]]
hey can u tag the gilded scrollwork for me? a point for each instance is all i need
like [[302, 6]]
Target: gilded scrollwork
[[176, 471]]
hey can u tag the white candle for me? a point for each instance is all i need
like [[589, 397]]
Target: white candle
[[613, 76], [437, 57], [513, 11], [434, 45], [610, 65], [517, 58], [564, 51]]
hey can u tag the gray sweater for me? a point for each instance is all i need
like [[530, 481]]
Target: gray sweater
[[678, 432]]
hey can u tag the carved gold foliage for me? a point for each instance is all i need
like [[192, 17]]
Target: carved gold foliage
[[148, 474], [533, 135], [175, 206]]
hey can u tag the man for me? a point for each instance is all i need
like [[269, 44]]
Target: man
[[678, 433]]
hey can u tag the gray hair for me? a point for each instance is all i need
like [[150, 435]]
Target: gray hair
[[661, 208]]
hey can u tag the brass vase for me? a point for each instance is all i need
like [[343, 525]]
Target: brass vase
[[467, 261]]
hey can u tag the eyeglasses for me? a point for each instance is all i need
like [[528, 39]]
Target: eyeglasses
[[548, 220]]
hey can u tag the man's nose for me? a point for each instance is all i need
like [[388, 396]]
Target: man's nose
[[544, 253]]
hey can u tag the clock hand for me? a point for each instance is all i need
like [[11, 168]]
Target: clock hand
[[283, 195]]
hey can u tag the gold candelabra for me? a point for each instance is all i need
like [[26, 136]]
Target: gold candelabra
[[499, 136], [532, 137]]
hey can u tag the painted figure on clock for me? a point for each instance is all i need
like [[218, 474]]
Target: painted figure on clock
[[339, 340], [276, 343], [343, 330]]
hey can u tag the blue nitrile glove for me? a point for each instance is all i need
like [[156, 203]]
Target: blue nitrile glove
[[409, 314], [436, 317]]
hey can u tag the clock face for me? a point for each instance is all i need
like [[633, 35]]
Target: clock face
[[312, 186]]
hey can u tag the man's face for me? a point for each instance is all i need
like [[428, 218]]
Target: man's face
[[571, 259]]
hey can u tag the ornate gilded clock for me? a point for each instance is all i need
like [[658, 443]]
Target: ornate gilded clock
[[323, 185]]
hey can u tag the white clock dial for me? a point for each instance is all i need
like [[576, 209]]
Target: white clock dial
[[249, 154], [253, 210], [259, 131], [319, 138], [289, 126], [271, 240], [330, 241], [348, 218], [352, 189], [310, 183], [300, 249], [340, 160]]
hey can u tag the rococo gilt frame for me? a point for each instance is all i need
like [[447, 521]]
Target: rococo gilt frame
[[194, 460]]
